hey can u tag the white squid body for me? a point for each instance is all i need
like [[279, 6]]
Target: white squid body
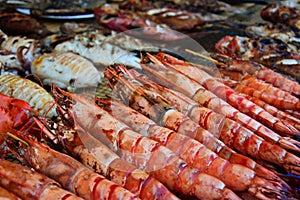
[[27, 47], [29, 91], [10, 61], [94, 48], [67, 70], [12, 43]]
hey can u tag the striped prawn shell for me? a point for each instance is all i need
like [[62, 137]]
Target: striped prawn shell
[[29, 91], [66, 70]]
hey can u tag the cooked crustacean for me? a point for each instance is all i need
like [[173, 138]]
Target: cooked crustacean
[[277, 13], [67, 171], [284, 116], [29, 91], [237, 69], [207, 117], [14, 113], [268, 93], [226, 93], [29, 184], [146, 154], [201, 158], [93, 153], [272, 53], [5, 194], [165, 114]]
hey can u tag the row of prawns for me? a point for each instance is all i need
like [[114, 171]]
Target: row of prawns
[[185, 134], [247, 63], [191, 102], [183, 147], [211, 172], [21, 128], [193, 142], [91, 170]]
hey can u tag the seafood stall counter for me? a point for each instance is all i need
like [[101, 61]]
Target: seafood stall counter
[[150, 100]]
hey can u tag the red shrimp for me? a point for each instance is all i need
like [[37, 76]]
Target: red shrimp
[[29, 184], [157, 108], [226, 93], [275, 112], [92, 153], [236, 177], [259, 71], [268, 93], [70, 173], [145, 153]]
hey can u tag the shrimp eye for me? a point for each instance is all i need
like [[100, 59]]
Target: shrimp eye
[[72, 82]]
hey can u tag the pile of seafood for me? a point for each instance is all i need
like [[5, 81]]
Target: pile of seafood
[[274, 44], [167, 128]]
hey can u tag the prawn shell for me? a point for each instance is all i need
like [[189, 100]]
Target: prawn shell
[[66, 69], [29, 184], [29, 91]]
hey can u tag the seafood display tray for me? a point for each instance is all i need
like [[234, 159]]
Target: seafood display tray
[[188, 101]]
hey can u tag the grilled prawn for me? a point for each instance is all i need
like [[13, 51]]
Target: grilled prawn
[[92, 153], [70, 173], [5, 194], [207, 118], [157, 108], [268, 93], [244, 68], [275, 111], [29, 184], [14, 113], [226, 93], [145, 153], [236, 177]]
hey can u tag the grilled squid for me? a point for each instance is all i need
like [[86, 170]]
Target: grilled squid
[[67, 70]]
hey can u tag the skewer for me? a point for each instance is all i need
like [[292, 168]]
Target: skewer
[[203, 56]]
